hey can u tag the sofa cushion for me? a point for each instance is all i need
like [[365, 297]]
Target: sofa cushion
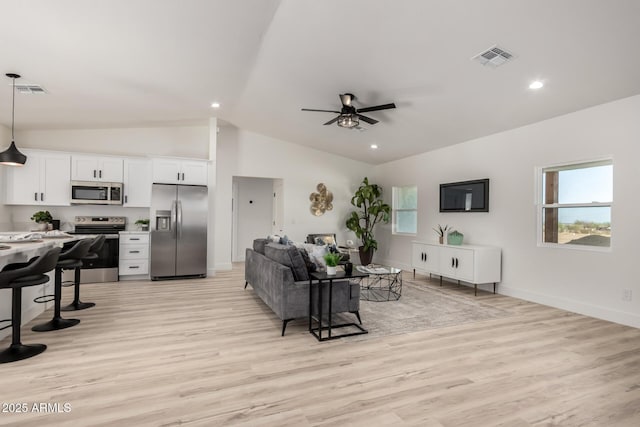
[[311, 267], [259, 244], [288, 256]]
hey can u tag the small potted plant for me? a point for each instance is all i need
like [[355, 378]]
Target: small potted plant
[[332, 260], [441, 231], [143, 224], [43, 219]]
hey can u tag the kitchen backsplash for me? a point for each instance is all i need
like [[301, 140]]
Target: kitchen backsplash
[[21, 215]]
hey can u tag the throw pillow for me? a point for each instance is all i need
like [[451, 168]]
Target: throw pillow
[[311, 267], [288, 256]]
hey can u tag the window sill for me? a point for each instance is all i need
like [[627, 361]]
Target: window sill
[[575, 247]]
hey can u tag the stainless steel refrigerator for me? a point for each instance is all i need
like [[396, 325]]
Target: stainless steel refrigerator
[[178, 231]]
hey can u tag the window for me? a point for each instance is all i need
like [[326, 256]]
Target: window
[[405, 210], [575, 205]]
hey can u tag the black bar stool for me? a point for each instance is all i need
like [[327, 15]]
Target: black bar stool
[[68, 260], [95, 247], [16, 277]]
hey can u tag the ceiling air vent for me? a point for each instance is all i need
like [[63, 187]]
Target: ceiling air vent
[[29, 88], [493, 57]]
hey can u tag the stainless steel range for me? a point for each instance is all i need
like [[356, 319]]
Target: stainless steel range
[[105, 267]]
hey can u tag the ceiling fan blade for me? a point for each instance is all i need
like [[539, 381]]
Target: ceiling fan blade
[[322, 111], [367, 119], [377, 108], [332, 121]]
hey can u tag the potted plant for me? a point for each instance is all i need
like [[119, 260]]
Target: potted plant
[[43, 219], [368, 198], [441, 232], [332, 260], [143, 223]]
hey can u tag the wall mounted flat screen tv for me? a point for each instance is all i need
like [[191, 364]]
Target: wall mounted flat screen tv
[[467, 196]]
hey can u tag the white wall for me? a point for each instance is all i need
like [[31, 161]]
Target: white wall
[[244, 153], [5, 212], [253, 212], [587, 282]]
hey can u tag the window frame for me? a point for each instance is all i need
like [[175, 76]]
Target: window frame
[[394, 211], [540, 206]]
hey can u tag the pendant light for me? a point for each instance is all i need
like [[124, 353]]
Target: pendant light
[[11, 156]]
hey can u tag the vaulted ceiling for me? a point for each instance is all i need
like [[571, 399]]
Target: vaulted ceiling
[[129, 63]]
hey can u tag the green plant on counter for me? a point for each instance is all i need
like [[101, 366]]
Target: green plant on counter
[[42, 217], [142, 222], [332, 259]]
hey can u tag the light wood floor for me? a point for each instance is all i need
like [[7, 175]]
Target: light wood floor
[[208, 353]]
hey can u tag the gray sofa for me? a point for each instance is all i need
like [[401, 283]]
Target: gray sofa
[[278, 275]]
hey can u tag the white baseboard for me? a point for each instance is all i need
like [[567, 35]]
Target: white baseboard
[[604, 313], [223, 266]]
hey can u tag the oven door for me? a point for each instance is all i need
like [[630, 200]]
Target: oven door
[[101, 269], [83, 193]]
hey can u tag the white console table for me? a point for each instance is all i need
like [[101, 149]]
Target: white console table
[[468, 263]]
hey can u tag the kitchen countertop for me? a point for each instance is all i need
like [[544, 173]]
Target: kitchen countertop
[[134, 232], [30, 249]]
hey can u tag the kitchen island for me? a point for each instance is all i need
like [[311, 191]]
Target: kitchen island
[[23, 251]]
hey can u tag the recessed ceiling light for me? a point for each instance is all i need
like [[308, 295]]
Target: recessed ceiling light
[[374, 146], [536, 84], [215, 105]]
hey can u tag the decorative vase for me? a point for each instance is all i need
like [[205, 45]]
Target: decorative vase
[[144, 228], [441, 239], [348, 268], [365, 256], [331, 271], [41, 226]]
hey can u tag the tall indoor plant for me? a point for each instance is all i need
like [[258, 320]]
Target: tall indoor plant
[[368, 198]]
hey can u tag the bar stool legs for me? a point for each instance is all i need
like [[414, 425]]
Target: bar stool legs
[[77, 304], [17, 350], [57, 322]]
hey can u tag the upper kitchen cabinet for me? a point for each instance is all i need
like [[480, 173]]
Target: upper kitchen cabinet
[[180, 171], [137, 183], [43, 180], [96, 168]]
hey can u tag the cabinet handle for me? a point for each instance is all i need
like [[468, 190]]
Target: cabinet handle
[[134, 266], [94, 173], [453, 262], [134, 252], [134, 238], [178, 176], [42, 197], [100, 174], [183, 176], [126, 199], [425, 257], [35, 196], [456, 262]]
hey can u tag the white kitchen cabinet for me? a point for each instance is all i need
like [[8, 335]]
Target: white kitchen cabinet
[[180, 171], [134, 254], [137, 183], [43, 180], [96, 168], [468, 263]]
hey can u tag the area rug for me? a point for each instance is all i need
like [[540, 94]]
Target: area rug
[[422, 307]]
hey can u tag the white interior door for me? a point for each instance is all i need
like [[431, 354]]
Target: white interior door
[[253, 212]]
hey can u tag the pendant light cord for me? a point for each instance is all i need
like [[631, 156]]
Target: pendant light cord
[[13, 108]]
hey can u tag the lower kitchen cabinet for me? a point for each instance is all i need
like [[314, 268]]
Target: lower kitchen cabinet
[[134, 255], [468, 263]]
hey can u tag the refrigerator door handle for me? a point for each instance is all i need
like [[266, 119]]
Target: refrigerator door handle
[[179, 218], [173, 215]]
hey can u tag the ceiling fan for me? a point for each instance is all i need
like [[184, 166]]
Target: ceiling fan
[[349, 116]]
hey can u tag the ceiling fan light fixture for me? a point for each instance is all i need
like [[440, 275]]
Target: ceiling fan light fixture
[[12, 156], [348, 121]]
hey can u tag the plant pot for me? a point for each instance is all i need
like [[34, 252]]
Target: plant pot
[[144, 228], [42, 226], [365, 256], [441, 239], [331, 271]]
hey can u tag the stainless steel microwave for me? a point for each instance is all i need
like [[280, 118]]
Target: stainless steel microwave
[[96, 193]]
